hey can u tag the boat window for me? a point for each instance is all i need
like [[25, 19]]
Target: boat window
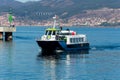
[[54, 32], [81, 39], [49, 32], [57, 32], [46, 32], [77, 40], [64, 33], [73, 40], [70, 40]]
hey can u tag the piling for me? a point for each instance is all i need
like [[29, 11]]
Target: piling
[[8, 31], [1, 35], [8, 36]]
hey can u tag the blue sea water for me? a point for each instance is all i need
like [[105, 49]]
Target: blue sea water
[[19, 58]]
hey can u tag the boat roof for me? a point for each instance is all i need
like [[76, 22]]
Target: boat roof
[[52, 29], [66, 31]]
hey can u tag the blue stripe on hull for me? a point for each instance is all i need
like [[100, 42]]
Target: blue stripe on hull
[[82, 46]]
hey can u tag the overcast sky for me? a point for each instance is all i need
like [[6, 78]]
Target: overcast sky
[[26, 0]]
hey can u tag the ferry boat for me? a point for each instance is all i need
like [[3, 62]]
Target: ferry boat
[[57, 39]]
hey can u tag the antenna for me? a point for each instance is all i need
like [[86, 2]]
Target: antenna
[[54, 18]]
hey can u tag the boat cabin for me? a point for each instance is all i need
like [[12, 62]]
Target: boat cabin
[[69, 36], [76, 39]]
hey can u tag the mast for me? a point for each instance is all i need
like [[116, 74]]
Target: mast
[[54, 18]]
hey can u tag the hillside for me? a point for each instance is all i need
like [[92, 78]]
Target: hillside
[[64, 8], [45, 9], [6, 5]]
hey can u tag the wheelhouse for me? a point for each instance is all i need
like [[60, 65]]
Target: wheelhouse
[[52, 31], [50, 34]]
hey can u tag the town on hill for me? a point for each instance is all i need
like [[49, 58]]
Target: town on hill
[[71, 12]]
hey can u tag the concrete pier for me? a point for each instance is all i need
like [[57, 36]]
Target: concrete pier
[[8, 30]]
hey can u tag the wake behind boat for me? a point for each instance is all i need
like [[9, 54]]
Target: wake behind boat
[[56, 39]]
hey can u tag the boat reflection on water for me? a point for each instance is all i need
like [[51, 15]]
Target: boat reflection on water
[[63, 63], [59, 55]]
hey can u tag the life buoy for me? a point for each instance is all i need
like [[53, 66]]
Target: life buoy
[[73, 33]]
